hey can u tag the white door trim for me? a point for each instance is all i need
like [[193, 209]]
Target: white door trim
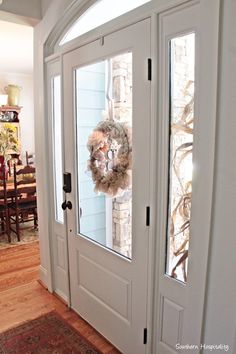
[[77, 8], [204, 138]]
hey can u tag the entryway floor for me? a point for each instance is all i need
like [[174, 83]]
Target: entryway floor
[[19, 265], [20, 303]]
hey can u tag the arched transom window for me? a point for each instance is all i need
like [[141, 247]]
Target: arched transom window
[[98, 14]]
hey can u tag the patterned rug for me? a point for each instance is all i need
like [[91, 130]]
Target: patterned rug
[[48, 334]]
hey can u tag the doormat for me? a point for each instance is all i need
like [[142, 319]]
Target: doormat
[[47, 334]]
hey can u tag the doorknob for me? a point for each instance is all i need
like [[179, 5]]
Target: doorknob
[[66, 205]]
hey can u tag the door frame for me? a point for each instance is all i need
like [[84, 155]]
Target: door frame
[[196, 286], [46, 37], [47, 34]]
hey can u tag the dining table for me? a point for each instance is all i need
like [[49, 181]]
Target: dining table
[[27, 190]]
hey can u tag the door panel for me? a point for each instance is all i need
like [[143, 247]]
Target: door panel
[[56, 162], [108, 277]]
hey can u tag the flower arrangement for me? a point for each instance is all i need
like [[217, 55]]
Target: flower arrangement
[[110, 157], [8, 141]]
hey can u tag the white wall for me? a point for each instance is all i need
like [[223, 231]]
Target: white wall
[[220, 321], [27, 101], [17, 56]]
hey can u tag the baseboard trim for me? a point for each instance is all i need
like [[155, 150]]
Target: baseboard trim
[[43, 277], [61, 296]]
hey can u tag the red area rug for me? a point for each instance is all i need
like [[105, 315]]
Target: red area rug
[[48, 334]]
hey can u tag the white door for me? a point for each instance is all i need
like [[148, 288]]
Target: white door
[[107, 119]]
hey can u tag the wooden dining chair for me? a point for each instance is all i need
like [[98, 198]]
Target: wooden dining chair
[[3, 169], [4, 217], [24, 206], [30, 158]]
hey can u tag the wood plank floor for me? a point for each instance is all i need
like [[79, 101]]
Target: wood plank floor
[[19, 265], [22, 298]]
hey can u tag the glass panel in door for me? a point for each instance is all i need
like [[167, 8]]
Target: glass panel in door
[[104, 147], [182, 67], [57, 147]]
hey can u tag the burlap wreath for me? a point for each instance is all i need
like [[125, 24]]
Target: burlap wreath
[[110, 157]]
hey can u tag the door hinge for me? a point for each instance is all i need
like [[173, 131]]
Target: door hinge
[[149, 69], [147, 216], [145, 336]]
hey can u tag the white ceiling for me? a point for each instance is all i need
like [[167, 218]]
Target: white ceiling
[[16, 48]]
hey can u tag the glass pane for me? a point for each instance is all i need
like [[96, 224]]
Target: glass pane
[[57, 148], [104, 120], [182, 62], [98, 14]]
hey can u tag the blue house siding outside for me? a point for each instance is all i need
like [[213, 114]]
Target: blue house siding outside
[[90, 91]]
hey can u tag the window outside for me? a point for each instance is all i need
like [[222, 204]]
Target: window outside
[[101, 12], [104, 98]]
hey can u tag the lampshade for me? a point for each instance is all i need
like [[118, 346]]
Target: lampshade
[[3, 100]]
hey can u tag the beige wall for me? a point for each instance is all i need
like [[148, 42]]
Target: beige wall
[[21, 11], [45, 5]]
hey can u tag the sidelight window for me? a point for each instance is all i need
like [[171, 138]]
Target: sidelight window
[[181, 116], [57, 147]]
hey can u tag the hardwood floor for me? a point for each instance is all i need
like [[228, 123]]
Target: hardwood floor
[[19, 265], [22, 298]]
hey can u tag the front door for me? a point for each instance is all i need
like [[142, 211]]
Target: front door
[[107, 149]]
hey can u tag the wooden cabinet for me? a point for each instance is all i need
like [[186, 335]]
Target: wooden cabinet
[[9, 116], [9, 113]]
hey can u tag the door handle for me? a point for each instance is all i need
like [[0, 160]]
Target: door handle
[[66, 205], [67, 182]]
